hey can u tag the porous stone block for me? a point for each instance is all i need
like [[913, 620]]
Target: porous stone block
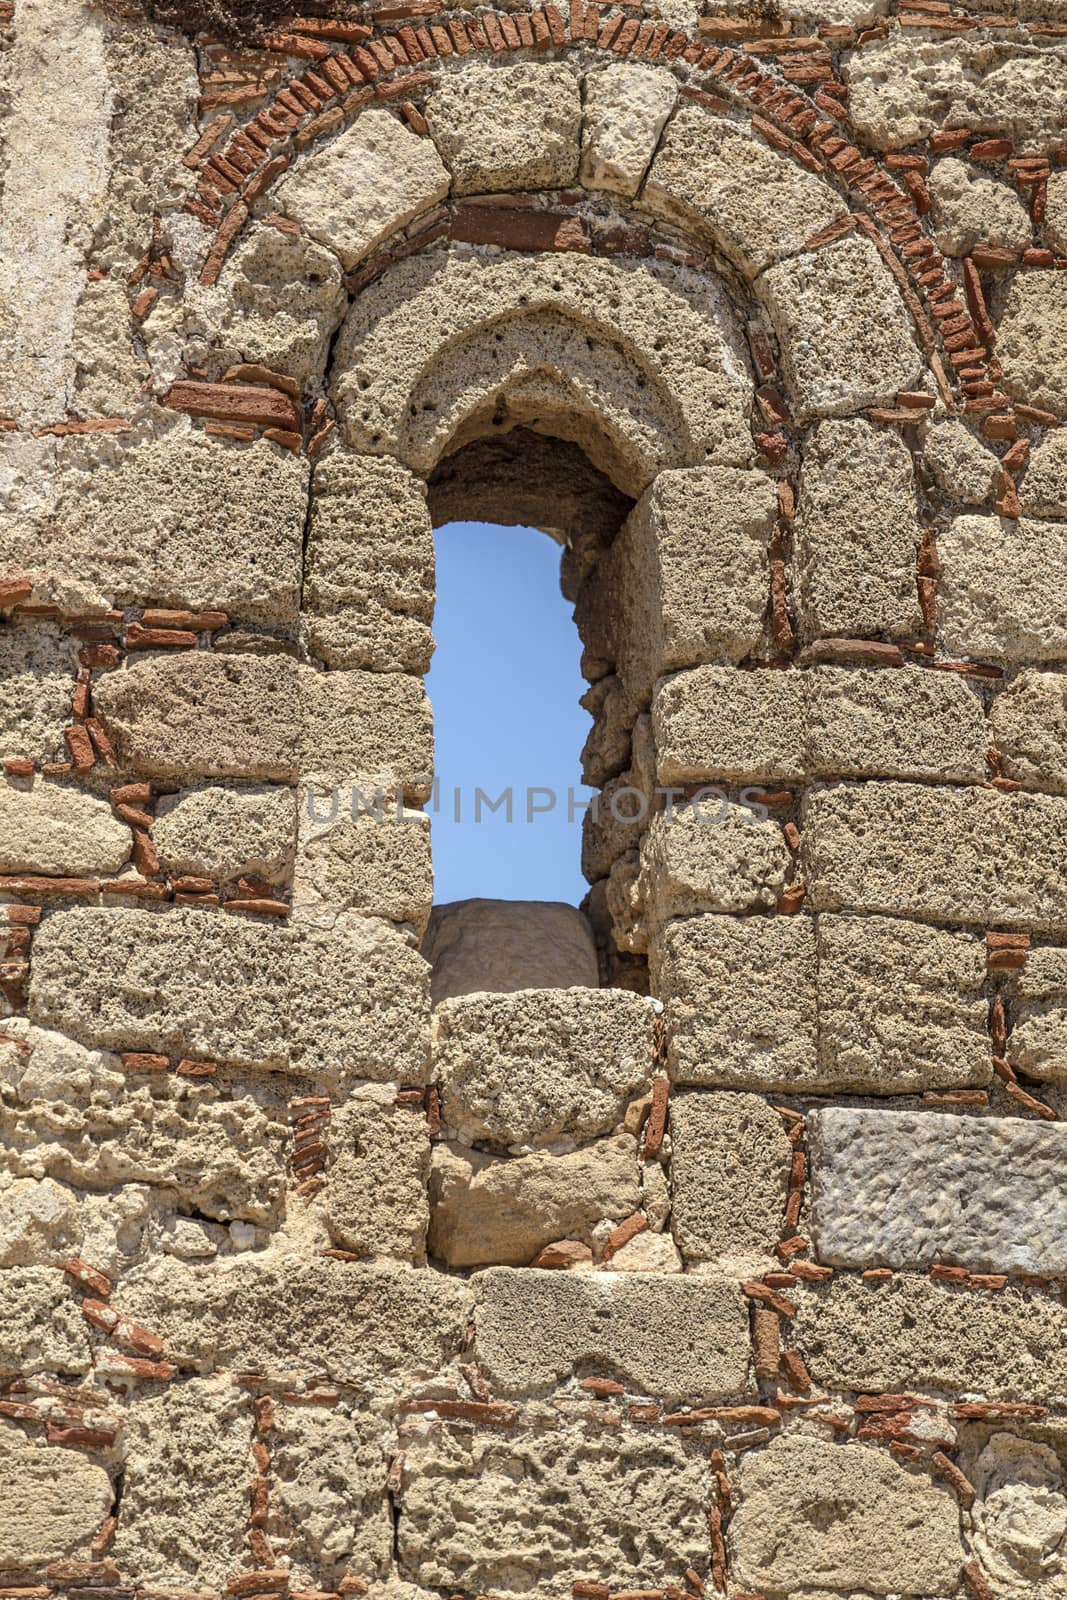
[[946, 855], [40, 1221], [843, 328], [485, 1211], [1001, 592], [52, 1501], [37, 674], [730, 1175], [1037, 1043], [1029, 725], [711, 856], [534, 1066], [42, 1329], [228, 833], [718, 723], [970, 207], [673, 1336], [369, 581], [909, 1332], [46, 827], [961, 464], [1043, 490], [624, 110], [740, 1000], [857, 533], [1056, 211], [370, 181], [546, 1509], [846, 1516], [187, 1471], [196, 715], [1016, 1515], [328, 1504], [1032, 336], [374, 729], [378, 1161], [498, 946], [753, 203], [901, 1189], [355, 854], [508, 127]]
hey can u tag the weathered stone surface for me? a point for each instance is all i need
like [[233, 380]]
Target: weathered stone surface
[[42, 1328], [674, 1336], [52, 1501], [711, 856], [371, 728], [1018, 1516], [740, 999], [546, 1509], [970, 207], [498, 946], [1029, 725], [226, 833], [857, 533], [1056, 211], [375, 1202], [730, 1173], [45, 827], [901, 1189], [1001, 594], [716, 723], [1032, 336], [949, 855], [327, 1492], [40, 1222], [624, 110], [912, 1332], [354, 855], [530, 1067], [845, 1515], [1037, 1043], [185, 1486], [960, 463], [373, 179], [485, 1211], [754, 203], [1044, 486], [508, 127], [369, 583], [37, 668], [845, 333]]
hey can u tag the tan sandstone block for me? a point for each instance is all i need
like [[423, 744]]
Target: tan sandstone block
[[963, 466], [1029, 725], [730, 1176], [371, 728], [1000, 596], [1037, 1043], [711, 856], [52, 1501], [719, 723], [378, 1162], [329, 1511], [1056, 211], [42, 1329], [45, 827], [498, 946], [508, 127], [38, 665], [371, 180], [227, 833], [970, 207], [624, 110], [1016, 1481], [1043, 490], [356, 855], [1032, 335]]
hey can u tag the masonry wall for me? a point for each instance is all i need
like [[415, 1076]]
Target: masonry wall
[[727, 1254]]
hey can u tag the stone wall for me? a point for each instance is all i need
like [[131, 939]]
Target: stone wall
[[735, 1264]]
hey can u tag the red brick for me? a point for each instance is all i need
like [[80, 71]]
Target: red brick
[[88, 1277], [260, 405]]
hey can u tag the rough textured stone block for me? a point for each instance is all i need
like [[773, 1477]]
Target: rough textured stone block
[[1001, 594], [328, 1493], [372, 180], [902, 1189], [45, 827], [674, 1336], [1037, 1043], [498, 946], [950, 855], [486, 1212], [1029, 725], [52, 1501], [534, 1066], [42, 1328], [623, 113], [375, 1201], [356, 855], [369, 728], [846, 1516], [1043, 490], [508, 127], [711, 856], [718, 723], [740, 1000], [970, 207], [227, 833], [1018, 1543], [961, 464], [845, 334], [730, 1174], [37, 672], [1032, 335], [857, 532], [752, 201]]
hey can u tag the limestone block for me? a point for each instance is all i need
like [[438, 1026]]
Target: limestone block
[[711, 856], [369, 580], [947, 855], [624, 111], [545, 1509], [45, 827], [740, 1000], [371, 728], [375, 1201], [673, 1336], [613, 824], [370, 181], [1032, 335], [530, 1067], [52, 1501], [508, 127], [498, 946], [900, 1189], [1018, 1516], [755, 204], [857, 533], [960, 463], [912, 1332], [43, 1329], [226, 833], [1037, 1043], [1044, 487], [730, 1174], [970, 208], [1056, 212], [348, 1322], [606, 751], [327, 1492], [187, 1471], [39, 1221], [900, 1007], [37, 674], [196, 715], [716, 723], [356, 855], [1029, 724], [107, 372], [1001, 594], [485, 1211], [843, 328], [844, 1515]]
